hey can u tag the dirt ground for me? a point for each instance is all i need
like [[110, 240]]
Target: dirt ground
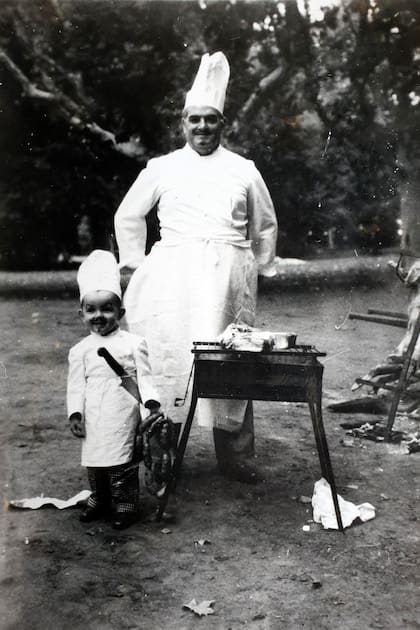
[[263, 571]]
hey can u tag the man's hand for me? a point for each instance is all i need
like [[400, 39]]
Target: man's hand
[[77, 425]]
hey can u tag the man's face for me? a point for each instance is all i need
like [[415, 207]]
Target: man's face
[[203, 128], [101, 312]]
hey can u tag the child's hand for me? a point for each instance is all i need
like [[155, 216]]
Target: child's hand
[[153, 415], [77, 425], [154, 410]]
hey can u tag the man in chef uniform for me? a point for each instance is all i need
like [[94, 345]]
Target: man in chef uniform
[[218, 231]]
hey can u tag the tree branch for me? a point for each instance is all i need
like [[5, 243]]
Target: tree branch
[[28, 88], [74, 114], [132, 148], [265, 85]]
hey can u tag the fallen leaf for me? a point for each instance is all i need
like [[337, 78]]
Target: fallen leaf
[[222, 558], [201, 609], [120, 591], [347, 443]]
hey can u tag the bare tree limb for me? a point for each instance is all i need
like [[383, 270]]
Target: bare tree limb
[[265, 85], [27, 87], [132, 148], [73, 113]]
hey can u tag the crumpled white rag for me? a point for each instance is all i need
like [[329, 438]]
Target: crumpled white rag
[[37, 502], [323, 508]]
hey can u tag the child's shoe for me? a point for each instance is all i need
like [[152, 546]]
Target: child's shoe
[[90, 514], [122, 520]]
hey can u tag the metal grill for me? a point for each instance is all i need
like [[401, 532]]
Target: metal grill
[[297, 350]]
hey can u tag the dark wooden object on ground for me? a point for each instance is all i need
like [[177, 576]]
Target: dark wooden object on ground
[[400, 320]]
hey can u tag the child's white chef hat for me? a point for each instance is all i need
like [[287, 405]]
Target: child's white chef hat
[[210, 83], [99, 272]]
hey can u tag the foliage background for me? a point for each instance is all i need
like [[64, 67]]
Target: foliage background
[[326, 103]]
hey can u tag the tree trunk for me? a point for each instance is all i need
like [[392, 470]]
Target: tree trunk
[[410, 213]]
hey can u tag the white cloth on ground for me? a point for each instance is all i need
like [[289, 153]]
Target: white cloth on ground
[[324, 512]]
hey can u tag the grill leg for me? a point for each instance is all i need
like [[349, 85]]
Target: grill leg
[[314, 394], [171, 485]]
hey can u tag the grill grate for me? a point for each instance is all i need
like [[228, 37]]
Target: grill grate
[[215, 346]]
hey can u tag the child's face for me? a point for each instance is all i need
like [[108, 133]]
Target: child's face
[[101, 312]]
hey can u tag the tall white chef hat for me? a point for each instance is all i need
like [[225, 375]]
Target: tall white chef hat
[[99, 272], [210, 83]]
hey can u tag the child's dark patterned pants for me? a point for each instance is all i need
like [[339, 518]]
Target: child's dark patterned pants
[[115, 486]]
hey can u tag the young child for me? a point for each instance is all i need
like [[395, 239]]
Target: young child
[[101, 412]]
